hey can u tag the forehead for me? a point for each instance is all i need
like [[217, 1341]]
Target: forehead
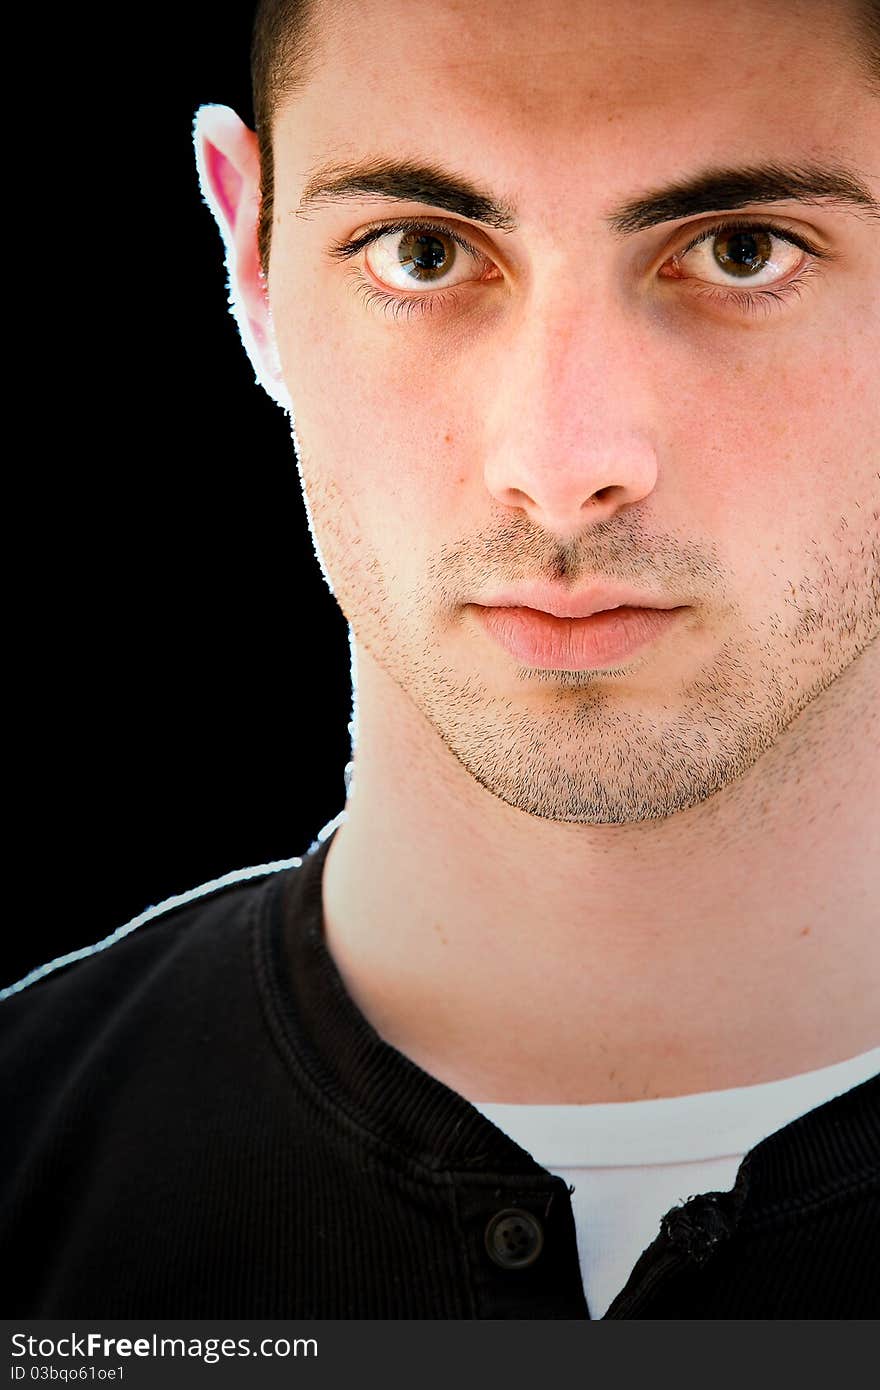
[[550, 91]]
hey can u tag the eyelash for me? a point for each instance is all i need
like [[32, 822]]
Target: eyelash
[[398, 306], [761, 300], [752, 302]]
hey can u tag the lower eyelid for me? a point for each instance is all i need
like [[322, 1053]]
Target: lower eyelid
[[396, 305], [765, 297]]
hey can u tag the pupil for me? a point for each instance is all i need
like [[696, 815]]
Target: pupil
[[742, 253], [425, 252]]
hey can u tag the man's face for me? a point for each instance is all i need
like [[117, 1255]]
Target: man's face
[[567, 403]]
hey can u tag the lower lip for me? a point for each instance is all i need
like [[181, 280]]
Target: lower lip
[[575, 644]]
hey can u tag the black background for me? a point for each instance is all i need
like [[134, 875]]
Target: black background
[[182, 692]]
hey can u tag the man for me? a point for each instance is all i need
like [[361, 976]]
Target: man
[[573, 1010]]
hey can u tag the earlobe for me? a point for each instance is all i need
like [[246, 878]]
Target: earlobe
[[227, 158]]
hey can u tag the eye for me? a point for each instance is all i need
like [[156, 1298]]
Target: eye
[[410, 255], [422, 256], [740, 256]]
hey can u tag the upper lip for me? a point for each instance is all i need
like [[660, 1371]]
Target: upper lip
[[564, 604]]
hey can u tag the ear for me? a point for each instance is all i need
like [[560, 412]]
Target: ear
[[228, 163]]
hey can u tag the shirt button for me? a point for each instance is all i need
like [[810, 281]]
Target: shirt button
[[514, 1238]]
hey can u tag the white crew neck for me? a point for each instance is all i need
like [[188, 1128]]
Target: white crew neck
[[669, 1129]]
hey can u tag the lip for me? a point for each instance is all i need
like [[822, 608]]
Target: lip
[[548, 642], [547, 598]]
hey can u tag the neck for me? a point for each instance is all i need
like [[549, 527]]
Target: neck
[[525, 960]]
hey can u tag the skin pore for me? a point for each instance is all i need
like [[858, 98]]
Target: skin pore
[[659, 877]]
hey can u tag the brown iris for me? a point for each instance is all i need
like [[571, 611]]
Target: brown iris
[[744, 252], [426, 253]]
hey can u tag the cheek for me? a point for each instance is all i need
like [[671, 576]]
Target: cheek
[[383, 417], [775, 428]]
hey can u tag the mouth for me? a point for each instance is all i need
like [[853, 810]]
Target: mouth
[[549, 642]]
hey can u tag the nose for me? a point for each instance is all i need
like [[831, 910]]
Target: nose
[[569, 429]]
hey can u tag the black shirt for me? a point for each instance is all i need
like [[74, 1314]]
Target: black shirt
[[199, 1122]]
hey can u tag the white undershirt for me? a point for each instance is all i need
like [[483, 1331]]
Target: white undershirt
[[630, 1161]]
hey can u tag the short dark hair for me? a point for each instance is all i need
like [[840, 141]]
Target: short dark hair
[[285, 46], [284, 50]]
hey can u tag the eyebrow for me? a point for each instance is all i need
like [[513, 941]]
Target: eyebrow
[[723, 189], [407, 181], [713, 190]]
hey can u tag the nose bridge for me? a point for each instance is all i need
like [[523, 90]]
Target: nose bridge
[[573, 362]]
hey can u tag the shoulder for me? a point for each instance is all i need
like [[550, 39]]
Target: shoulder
[[154, 966]]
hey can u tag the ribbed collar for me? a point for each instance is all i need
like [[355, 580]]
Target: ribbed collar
[[352, 1072]]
